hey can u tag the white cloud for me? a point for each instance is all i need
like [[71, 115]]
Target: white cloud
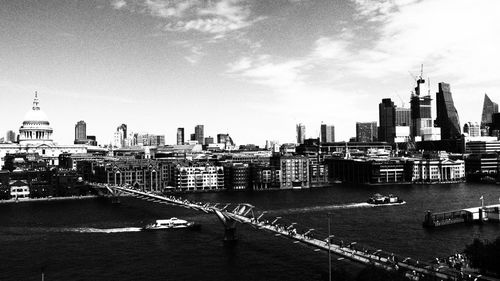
[[118, 4], [196, 55]]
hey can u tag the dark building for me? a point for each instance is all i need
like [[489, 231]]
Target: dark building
[[421, 115], [369, 171], [199, 134], [209, 140], [387, 120], [180, 136], [237, 176], [447, 115], [489, 107], [327, 133], [366, 131], [80, 131], [403, 116]]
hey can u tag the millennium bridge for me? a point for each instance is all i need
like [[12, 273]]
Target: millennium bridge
[[231, 214]]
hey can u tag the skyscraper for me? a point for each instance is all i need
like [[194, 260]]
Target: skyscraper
[[327, 133], [387, 119], [80, 131], [180, 136], [301, 133], [120, 136], [489, 107], [421, 116], [366, 131], [10, 136], [403, 116], [447, 115], [199, 134]]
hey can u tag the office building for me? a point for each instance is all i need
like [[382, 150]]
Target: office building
[[387, 119], [199, 134], [327, 133], [180, 136], [10, 136], [209, 140], [301, 133], [489, 107], [366, 131], [447, 115], [472, 129], [403, 116], [80, 131], [120, 136]]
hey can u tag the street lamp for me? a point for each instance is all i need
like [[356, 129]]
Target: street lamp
[[329, 253]]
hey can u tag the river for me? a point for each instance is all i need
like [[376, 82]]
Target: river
[[95, 240]]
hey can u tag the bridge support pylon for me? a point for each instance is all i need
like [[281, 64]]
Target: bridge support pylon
[[229, 226]]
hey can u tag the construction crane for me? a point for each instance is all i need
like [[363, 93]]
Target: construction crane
[[402, 101], [418, 79]]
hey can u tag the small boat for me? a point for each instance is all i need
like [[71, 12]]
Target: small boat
[[172, 223], [379, 199]]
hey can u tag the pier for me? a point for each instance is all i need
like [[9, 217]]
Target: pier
[[481, 214]]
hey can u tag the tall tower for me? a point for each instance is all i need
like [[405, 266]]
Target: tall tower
[[421, 116], [301, 133], [80, 131], [489, 107], [180, 136], [36, 127], [199, 134], [366, 131], [387, 120], [327, 133], [447, 115]]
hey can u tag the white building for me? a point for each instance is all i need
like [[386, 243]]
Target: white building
[[35, 136], [199, 178], [438, 170]]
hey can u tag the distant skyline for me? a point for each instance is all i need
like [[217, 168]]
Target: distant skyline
[[253, 69]]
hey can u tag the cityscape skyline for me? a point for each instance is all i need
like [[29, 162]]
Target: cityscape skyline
[[133, 62]]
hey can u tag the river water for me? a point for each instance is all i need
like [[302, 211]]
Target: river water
[[95, 240]]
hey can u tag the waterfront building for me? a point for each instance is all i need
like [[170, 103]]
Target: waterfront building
[[294, 170], [180, 136], [237, 176], [438, 170], [318, 174], [387, 120], [482, 164], [199, 134], [489, 107], [301, 133], [35, 136], [447, 115], [327, 133], [265, 177], [206, 177], [472, 129], [10, 136], [366, 131], [369, 170]]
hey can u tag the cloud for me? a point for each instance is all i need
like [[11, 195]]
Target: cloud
[[196, 55], [118, 4]]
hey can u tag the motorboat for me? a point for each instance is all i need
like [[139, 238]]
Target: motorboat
[[379, 199], [172, 223]]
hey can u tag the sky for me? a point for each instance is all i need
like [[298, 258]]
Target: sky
[[253, 69]]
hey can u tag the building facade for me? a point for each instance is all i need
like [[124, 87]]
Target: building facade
[[489, 107], [301, 133], [366, 131], [180, 136], [199, 134], [447, 115], [327, 133], [438, 170]]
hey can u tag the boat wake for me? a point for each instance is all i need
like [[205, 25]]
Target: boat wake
[[330, 207], [104, 230]]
